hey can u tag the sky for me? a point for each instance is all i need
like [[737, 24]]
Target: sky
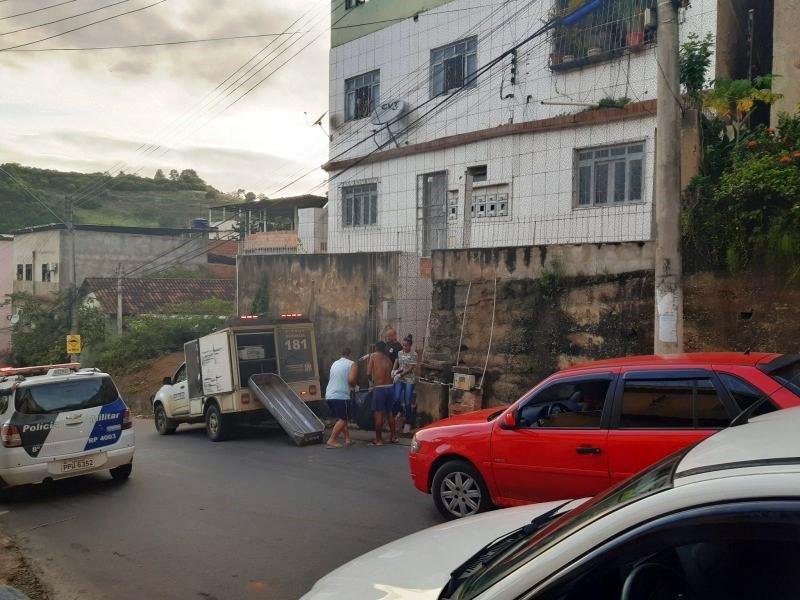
[[93, 111]]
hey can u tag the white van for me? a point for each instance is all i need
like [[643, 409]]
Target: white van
[[60, 421]]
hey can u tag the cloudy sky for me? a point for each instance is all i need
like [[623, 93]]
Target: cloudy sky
[[93, 110]]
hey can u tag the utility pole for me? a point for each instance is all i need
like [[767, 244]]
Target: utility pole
[[119, 299], [73, 275], [668, 267]]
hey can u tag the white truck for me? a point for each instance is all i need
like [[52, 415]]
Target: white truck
[[253, 372]]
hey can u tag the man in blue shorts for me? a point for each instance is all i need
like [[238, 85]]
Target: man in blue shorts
[[379, 370]]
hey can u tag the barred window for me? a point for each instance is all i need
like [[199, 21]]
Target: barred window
[[362, 94], [610, 175], [360, 205], [348, 4], [453, 66]]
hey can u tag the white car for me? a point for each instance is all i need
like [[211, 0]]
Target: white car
[[59, 421], [717, 520]]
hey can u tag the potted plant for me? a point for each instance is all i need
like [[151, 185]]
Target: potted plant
[[632, 12]]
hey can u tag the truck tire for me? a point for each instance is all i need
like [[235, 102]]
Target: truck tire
[[122, 472], [164, 425], [217, 426], [459, 490]]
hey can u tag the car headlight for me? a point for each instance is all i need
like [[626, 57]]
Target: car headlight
[[414, 444]]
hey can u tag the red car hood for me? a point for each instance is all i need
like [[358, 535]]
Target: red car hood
[[478, 416]]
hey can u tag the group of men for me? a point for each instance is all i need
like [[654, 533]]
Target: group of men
[[392, 373]]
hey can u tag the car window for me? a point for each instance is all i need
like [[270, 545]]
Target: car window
[[672, 404], [180, 375], [569, 404], [745, 394], [715, 553], [63, 396]]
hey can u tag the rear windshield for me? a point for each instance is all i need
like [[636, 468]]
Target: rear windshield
[[789, 375], [63, 396]]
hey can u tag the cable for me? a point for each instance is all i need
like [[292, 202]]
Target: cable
[[50, 37], [32, 195], [30, 12], [158, 44], [88, 12]]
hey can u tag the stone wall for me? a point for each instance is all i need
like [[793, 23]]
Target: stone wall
[[343, 294]]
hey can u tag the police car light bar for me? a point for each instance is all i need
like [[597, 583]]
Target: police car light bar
[[11, 371], [292, 316]]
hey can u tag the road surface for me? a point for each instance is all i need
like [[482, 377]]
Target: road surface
[[255, 517]]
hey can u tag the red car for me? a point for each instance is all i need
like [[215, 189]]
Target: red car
[[585, 428]]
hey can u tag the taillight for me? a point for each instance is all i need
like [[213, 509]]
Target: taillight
[[127, 423], [245, 398], [312, 390], [11, 436]]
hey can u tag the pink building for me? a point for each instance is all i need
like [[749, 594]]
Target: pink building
[[7, 277]]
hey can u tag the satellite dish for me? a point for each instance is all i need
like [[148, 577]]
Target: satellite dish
[[14, 319], [392, 115]]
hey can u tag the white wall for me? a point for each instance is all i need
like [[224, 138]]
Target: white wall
[[537, 167]]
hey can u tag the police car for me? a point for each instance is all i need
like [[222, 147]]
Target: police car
[[60, 421]]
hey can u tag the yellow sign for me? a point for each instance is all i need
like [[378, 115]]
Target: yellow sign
[[73, 344]]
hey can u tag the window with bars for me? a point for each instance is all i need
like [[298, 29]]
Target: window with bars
[[607, 31], [610, 175], [453, 66], [28, 272], [348, 4], [360, 205], [362, 94]]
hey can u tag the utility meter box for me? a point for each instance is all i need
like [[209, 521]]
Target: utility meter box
[[463, 381]]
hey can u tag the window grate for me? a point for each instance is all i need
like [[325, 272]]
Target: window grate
[[362, 95], [454, 66]]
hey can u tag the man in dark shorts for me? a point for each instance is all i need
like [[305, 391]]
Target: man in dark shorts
[[343, 377], [379, 370]]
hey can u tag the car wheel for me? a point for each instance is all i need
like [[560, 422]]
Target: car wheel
[[459, 491], [164, 425], [122, 472], [216, 426]]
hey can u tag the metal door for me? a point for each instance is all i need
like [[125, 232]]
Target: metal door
[[432, 191]]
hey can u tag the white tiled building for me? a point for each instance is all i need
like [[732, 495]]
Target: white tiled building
[[520, 155]]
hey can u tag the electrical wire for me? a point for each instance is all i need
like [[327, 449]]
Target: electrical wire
[[160, 44], [32, 195], [88, 12], [30, 12]]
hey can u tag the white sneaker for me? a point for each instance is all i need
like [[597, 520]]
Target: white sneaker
[[406, 428]]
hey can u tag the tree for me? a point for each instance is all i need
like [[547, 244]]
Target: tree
[[695, 60], [159, 176], [249, 196], [174, 175], [191, 178], [733, 100]]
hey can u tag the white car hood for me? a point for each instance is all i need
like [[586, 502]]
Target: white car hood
[[418, 566]]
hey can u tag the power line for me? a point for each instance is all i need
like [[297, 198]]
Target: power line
[[50, 37], [31, 194], [30, 12], [88, 12], [158, 44]]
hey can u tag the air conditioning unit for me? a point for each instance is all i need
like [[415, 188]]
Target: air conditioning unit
[[463, 381]]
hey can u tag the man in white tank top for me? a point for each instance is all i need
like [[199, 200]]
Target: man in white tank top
[[343, 377]]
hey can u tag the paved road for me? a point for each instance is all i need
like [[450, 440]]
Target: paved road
[[254, 517]]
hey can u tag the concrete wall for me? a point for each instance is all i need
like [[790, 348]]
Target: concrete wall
[[786, 56], [7, 276], [342, 294], [37, 249]]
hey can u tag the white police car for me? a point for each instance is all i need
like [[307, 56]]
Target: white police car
[[59, 421]]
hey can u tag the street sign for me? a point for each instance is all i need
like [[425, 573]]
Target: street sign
[[73, 344]]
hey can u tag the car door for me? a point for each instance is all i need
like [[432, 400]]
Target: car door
[[659, 412], [557, 449], [179, 395]]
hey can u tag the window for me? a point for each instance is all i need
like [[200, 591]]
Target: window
[[20, 272], [45, 272], [673, 404], [64, 396], [745, 394], [180, 375], [28, 272], [361, 95], [453, 66], [348, 4], [570, 404], [610, 175], [360, 205], [479, 173], [604, 33]]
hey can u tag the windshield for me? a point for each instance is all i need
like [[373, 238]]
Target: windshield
[[652, 481], [63, 396]]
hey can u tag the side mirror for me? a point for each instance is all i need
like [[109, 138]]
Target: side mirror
[[167, 381], [509, 420]]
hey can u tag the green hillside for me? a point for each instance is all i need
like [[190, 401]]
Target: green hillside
[[101, 199]]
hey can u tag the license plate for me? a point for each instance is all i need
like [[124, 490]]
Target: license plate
[[77, 464]]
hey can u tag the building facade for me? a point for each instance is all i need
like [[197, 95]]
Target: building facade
[[434, 145], [6, 289], [42, 256]]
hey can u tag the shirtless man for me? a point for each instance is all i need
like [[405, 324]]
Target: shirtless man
[[379, 370]]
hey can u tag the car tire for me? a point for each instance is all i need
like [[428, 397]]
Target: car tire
[[217, 426], [459, 490], [122, 472], [164, 425]]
